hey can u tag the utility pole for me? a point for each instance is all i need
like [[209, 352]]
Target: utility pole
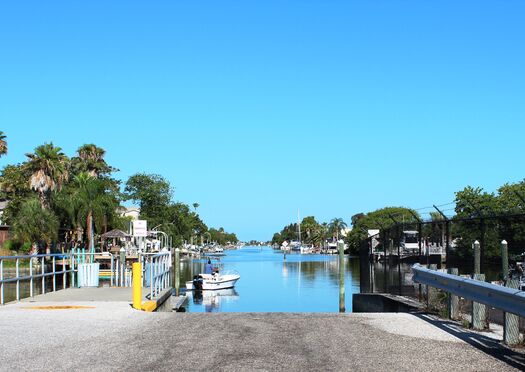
[[447, 233]]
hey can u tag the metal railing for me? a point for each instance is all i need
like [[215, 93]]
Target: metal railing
[[156, 270], [496, 296], [36, 270]]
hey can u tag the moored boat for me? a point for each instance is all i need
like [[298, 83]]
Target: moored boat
[[213, 282]]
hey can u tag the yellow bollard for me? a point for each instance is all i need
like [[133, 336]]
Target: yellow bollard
[[137, 286]]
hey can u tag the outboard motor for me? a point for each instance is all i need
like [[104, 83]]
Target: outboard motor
[[197, 290], [197, 283]]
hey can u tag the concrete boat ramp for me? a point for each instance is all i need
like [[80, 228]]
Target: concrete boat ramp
[[100, 331]]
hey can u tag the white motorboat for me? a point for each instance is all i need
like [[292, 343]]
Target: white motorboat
[[213, 282]]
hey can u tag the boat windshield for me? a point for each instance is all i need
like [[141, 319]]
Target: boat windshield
[[411, 239]]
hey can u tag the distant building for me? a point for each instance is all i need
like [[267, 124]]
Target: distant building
[[3, 206], [4, 230], [345, 232], [133, 212]]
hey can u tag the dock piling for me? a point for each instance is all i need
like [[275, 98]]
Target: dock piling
[[504, 260], [453, 300], [479, 311], [177, 271], [511, 331], [341, 247], [432, 293]]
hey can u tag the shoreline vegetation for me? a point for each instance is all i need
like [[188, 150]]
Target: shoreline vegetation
[[474, 214], [55, 202]]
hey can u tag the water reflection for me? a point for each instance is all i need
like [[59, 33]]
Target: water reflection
[[378, 277], [271, 283], [212, 300], [384, 278]]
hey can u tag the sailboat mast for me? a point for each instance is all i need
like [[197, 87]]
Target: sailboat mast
[[299, 225]]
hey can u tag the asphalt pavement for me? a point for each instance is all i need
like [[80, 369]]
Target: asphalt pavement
[[102, 336]]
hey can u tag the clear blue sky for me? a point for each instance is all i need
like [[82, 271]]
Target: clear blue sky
[[256, 109]]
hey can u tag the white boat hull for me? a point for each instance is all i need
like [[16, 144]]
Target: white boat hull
[[215, 282]]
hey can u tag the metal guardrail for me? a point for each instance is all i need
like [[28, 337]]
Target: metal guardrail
[[157, 268], [506, 299]]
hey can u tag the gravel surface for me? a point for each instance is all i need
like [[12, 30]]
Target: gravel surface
[[112, 336]]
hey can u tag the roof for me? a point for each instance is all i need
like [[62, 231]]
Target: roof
[[115, 234]]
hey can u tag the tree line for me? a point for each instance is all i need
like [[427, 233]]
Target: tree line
[[312, 232], [488, 217], [55, 198]]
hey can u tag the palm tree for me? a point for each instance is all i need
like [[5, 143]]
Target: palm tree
[[68, 206], [3, 144], [49, 171], [92, 202], [91, 160], [320, 235], [336, 226], [195, 206]]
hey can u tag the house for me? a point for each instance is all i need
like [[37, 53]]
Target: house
[[133, 212]]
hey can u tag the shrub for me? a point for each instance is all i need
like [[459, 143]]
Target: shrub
[[11, 245], [25, 248]]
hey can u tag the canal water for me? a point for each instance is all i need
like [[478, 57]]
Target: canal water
[[271, 283]]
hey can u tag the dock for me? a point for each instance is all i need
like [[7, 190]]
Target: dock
[[119, 296]]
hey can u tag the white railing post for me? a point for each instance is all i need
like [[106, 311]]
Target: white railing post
[[64, 272], [1, 281], [115, 270], [54, 275], [43, 277], [31, 294], [111, 273], [17, 281], [151, 278]]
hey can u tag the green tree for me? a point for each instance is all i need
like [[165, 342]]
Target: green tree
[[222, 237], [3, 144], [276, 239], [90, 159], [181, 223], [321, 235], [14, 186], [35, 224], [476, 203], [380, 219], [93, 202], [49, 169], [309, 226], [153, 193], [512, 229]]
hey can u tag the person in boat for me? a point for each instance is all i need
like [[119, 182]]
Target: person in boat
[[208, 269]]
